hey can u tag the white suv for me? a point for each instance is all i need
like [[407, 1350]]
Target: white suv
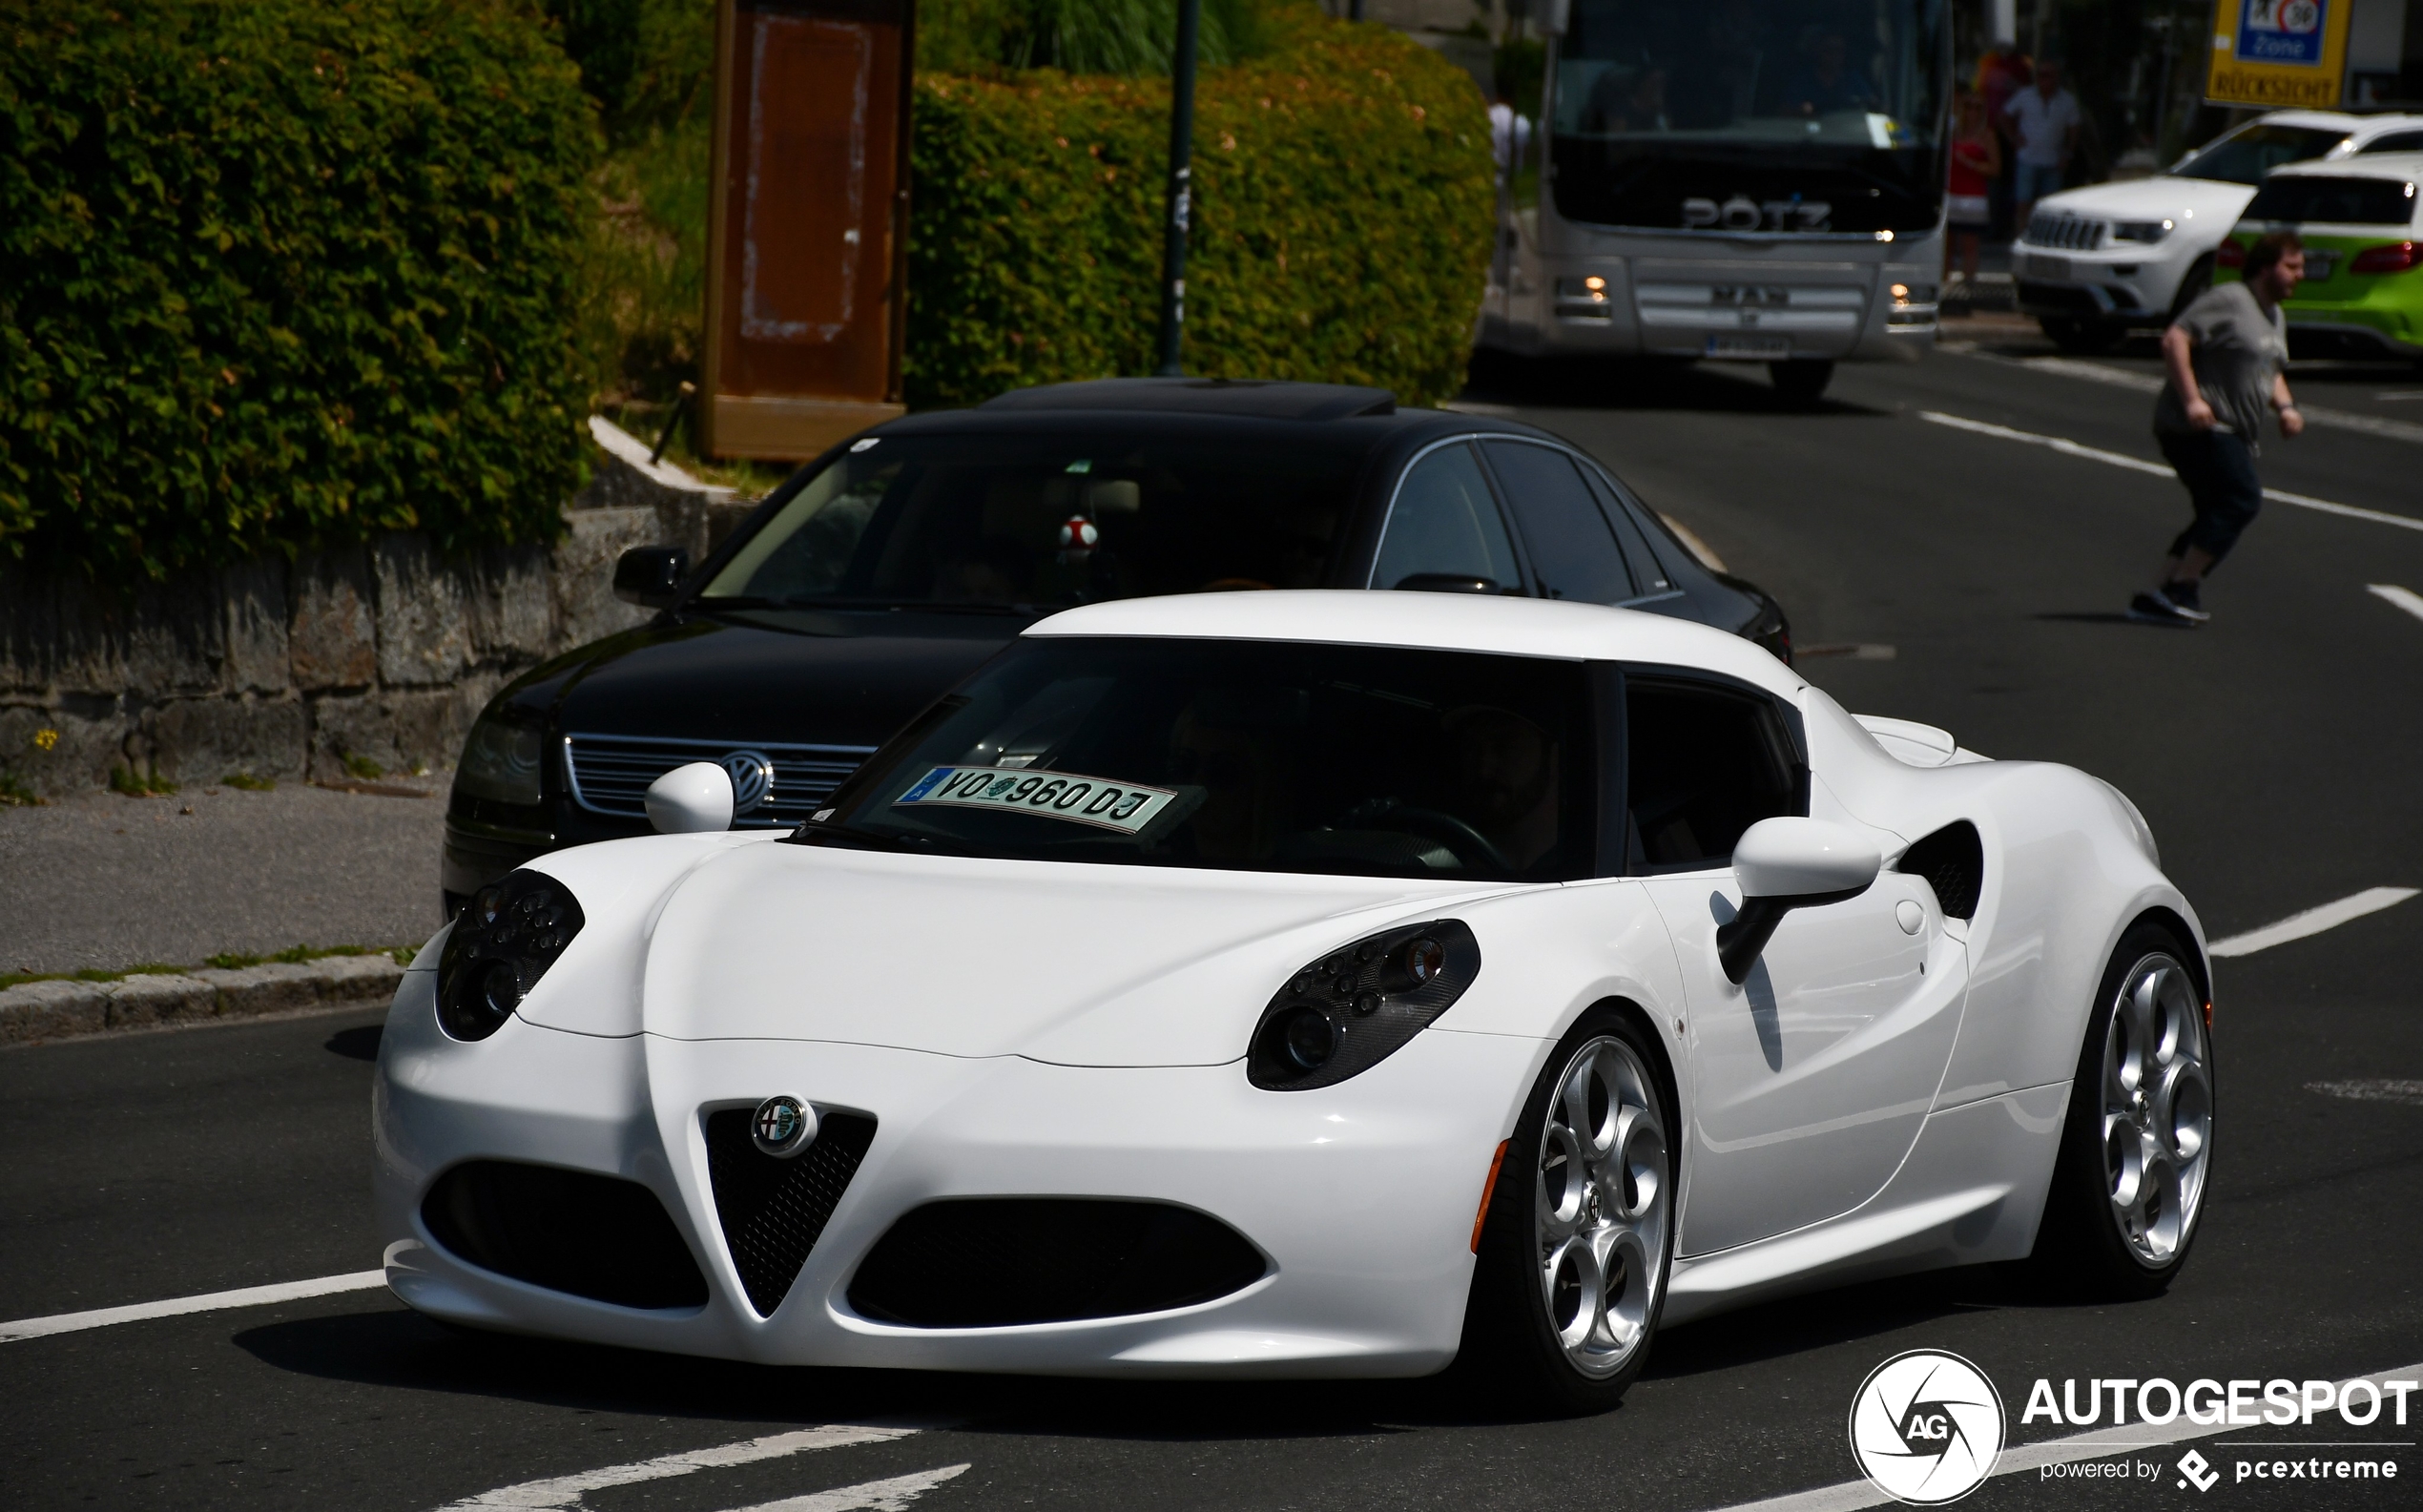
[[2092, 262]]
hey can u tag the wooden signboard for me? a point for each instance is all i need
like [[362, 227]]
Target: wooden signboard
[[807, 241]]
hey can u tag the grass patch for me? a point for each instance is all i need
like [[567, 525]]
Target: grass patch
[[15, 795], [292, 955], [231, 960], [246, 782], [363, 767], [148, 784]]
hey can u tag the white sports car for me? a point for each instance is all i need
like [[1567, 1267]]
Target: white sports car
[[1309, 983]]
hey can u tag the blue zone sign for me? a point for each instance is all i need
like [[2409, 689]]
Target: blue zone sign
[[2288, 32]]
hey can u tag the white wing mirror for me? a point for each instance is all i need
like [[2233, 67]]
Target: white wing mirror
[[1789, 864], [690, 799]]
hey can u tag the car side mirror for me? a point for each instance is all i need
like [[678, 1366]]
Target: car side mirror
[[694, 799], [651, 575], [1789, 864]]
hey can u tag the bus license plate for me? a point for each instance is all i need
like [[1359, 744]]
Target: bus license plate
[[1749, 348]]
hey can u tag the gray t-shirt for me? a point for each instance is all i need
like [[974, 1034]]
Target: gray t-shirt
[[2239, 351]]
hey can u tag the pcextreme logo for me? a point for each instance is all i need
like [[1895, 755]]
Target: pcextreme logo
[[1926, 1427]]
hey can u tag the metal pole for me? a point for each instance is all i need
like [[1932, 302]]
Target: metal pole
[[1173, 252]]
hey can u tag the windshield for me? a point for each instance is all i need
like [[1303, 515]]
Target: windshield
[[1771, 115], [2246, 155], [1040, 522], [2347, 201], [1245, 756]]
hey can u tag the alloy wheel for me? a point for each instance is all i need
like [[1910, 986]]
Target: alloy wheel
[[2157, 1088], [1603, 1205]]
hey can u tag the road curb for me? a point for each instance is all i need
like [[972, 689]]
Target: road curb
[[62, 1010]]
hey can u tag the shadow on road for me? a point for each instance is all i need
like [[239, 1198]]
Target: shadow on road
[[360, 1043], [401, 1349], [1638, 382]]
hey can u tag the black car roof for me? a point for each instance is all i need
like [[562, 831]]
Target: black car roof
[[1262, 399]]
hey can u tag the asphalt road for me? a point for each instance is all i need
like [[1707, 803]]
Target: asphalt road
[[2272, 753]]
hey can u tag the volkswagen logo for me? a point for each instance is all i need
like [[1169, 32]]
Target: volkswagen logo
[[752, 774], [782, 1126]]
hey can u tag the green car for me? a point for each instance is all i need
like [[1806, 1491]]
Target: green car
[[2362, 221]]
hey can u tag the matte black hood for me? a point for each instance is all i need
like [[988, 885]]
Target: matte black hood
[[849, 679]]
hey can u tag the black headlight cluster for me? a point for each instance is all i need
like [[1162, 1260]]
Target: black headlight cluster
[[502, 945], [1357, 1006]]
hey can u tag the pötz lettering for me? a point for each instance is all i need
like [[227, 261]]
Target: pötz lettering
[[1741, 213]]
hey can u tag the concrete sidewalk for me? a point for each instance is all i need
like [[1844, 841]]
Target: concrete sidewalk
[[104, 881]]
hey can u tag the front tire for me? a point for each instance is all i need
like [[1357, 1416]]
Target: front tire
[[2136, 1158], [1580, 1231]]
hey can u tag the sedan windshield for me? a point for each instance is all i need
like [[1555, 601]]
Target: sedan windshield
[[2245, 155], [1244, 756], [1047, 521]]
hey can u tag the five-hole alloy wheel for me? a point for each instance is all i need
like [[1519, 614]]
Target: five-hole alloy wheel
[[1580, 1231], [2137, 1145]]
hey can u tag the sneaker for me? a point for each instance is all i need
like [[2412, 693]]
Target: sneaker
[[2157, 608], [2189, 599]]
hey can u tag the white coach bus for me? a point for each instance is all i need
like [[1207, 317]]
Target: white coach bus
[[1755, 180]]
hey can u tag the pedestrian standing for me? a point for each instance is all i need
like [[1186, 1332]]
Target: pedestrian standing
[[2001, 74], [2226, 357], [2046, 121], [1976, 161]]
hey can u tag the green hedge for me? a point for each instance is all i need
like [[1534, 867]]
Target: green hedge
[[1342, 220], [281, 272]]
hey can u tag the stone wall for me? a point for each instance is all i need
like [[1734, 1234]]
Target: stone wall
[[382, 652]]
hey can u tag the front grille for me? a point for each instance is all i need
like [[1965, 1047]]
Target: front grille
[[994, 1262], [772, 1210], [608, 774], [2070, 233], [596, 1237]]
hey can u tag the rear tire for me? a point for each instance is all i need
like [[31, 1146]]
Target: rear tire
[[1801, 382], [2136, 1160], [2080, 335], [1579, 1238]]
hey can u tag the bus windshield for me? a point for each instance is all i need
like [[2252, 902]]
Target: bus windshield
[[1752, 115]]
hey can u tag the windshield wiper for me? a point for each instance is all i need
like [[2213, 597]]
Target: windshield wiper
[[881, 839]]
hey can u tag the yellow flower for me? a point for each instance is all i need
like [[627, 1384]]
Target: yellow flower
[[46, 739]]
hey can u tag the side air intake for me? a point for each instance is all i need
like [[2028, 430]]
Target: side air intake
[[596, 1237], [1953, 861]]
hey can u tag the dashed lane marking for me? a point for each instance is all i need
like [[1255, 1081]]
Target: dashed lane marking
[[208, 1302], [2072, 448], [2371, 1090], [2405, 598], [871, 1495], [563, 1492], [2093, 1445], [2313, 922]]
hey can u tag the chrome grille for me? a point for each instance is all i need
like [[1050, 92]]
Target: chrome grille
[[609, 774], [2071, 232]]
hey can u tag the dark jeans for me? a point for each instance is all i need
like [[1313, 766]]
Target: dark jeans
[[2219, 469]]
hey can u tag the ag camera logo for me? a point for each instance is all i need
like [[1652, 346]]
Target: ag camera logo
[[1926, 1427]]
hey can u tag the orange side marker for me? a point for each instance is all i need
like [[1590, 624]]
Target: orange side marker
[[1488, 1188]]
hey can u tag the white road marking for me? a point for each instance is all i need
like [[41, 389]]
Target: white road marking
[[2405, 598], [2150, 384], [872, 1496], [2375, 1089], [558, 1493], [2071, 449], [2096, 1443], [209, 1302], [2313, 922]]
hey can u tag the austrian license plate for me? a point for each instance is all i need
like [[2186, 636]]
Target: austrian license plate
[[2040, 267], [1749, 348], [1122, 806]]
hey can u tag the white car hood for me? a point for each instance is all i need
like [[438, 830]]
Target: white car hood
[[2216, 204], [1078, 965]]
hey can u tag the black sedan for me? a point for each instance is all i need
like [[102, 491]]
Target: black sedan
[[885, 571]]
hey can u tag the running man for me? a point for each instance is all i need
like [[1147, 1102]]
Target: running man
[[2225, 355]]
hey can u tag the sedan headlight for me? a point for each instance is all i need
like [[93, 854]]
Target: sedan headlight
[[2141, 230], [501, 761], [502, 945], [1355, 1007]]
